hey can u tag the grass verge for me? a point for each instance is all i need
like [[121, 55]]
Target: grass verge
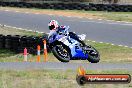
[[117, 16], [113, 53], [13, 31], [51, 79]]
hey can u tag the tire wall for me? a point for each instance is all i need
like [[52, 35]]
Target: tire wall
[[17, 43], [71, 6]]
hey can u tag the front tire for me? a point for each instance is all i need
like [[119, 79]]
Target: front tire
[[94, 56], [60, 54]]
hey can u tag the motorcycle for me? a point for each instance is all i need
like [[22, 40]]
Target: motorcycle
[[65, 48]]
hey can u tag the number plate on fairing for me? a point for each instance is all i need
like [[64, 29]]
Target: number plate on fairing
[[65, 41]]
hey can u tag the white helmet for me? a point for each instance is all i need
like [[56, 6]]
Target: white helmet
[[53, 25]]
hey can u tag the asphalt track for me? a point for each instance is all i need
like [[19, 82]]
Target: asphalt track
[[119, 33], [64, 66]]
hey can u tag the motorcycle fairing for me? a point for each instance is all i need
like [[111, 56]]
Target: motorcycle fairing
[[75, 52]]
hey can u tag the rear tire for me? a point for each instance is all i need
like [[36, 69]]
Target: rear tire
[[60, 57]]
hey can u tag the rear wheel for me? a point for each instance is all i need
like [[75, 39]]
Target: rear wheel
[[61, 53], [93, 55]]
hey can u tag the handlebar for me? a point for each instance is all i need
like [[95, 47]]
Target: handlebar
[[65, 32]]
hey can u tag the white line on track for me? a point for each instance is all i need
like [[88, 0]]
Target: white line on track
[[17, 11], [27, 12], [112, 44], [90, 18], [126, 46], [7, 10], [100, 19], [80, 17], [68, 16], [118, 21], [109, 20], [115, 23], [50, 14], [120, 45], [91, 21], [60, 15], [107, 43], [126, 22], [37, 13], [100, 42], [15, 27], [93, 41], [121, 24]]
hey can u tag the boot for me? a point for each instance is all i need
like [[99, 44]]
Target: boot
[[86, 47]]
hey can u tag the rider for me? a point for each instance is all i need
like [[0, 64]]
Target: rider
[[55, 28]]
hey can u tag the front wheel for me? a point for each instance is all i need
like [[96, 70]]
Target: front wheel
[[93, 55], [61, 53]]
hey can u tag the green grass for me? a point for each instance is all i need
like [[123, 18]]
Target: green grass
[[108, 53], [51, 79], [117, 16], [12, 31], [113, 53], [5, 53]]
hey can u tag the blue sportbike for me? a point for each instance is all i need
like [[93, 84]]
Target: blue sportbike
[[65, 48]]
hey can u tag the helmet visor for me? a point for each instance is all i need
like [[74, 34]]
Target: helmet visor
[[51, 27]]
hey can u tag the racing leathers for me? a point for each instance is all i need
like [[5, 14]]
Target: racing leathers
[[71, 34]]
